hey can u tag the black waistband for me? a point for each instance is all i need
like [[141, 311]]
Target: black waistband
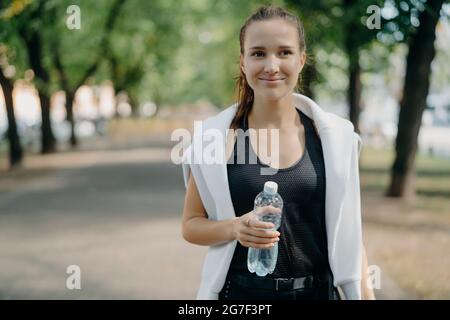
[[280, 284]]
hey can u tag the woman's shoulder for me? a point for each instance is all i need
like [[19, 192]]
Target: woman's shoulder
[[344, 126], [218, 120], [340, 122], [229, 111]]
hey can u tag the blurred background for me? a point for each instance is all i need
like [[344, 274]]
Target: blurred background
[[92, 90]]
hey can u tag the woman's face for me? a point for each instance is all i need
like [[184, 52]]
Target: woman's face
[[272, 59]]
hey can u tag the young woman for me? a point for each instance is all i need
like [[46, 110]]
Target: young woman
[[316, 169]]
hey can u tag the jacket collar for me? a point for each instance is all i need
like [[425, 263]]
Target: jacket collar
[[321, 119]]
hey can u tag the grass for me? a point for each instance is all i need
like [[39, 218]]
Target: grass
[[432, 178], [409, 238], [3, 153]]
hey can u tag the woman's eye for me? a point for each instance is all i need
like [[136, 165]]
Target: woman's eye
[[286, 52], [257, 53], [261, 53]]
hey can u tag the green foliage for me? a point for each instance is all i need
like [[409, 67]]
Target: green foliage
[[12, 52], [175, 52]]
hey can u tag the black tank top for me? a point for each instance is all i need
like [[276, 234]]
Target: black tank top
[[302, 249]]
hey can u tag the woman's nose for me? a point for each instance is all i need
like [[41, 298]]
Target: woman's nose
[[271, 65]]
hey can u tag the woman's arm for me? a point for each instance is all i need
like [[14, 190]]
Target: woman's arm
[[198, 229], [366, 291]]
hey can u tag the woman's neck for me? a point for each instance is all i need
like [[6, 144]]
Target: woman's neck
[[272, 114]]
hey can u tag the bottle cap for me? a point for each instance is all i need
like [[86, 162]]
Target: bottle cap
[[270, 187]]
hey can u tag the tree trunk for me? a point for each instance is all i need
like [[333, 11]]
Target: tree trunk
[[116, 108], [48, 139], [354, 92], [157, 101], [415, 91], [354, 78], [15, 148], [134, 104], [352, 45], [33, 44], [70, 96], [117, 101]]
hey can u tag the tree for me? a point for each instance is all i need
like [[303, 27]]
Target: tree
[[15, 148], [27, 23], [207, 62], [142, 56], [40, 25], [66, 79], [7, 85], [415, 91], [338, 24]]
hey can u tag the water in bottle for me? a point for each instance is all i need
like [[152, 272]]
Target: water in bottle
[[263, 261]]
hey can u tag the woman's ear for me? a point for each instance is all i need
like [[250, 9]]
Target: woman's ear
[[302, 60], [241, 63]]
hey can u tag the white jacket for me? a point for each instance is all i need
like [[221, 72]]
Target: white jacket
[[341, 147]]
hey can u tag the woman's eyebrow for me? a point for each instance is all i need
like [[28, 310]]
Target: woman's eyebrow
[[262, 47]]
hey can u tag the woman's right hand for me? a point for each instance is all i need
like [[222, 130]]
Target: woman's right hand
[[250, 232]]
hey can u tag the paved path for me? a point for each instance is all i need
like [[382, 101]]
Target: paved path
[[116, 214]]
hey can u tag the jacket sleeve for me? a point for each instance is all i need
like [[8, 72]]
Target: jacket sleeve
[[352, 216], [190, 166], [185, 164]]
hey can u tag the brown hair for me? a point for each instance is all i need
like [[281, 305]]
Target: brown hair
[[244, 91]]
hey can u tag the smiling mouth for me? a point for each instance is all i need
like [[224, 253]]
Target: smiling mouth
[[272, 80]]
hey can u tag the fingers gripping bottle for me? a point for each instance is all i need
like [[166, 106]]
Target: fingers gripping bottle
[[268, 208]]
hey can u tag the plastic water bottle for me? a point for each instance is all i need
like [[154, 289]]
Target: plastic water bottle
[[263, 261]]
